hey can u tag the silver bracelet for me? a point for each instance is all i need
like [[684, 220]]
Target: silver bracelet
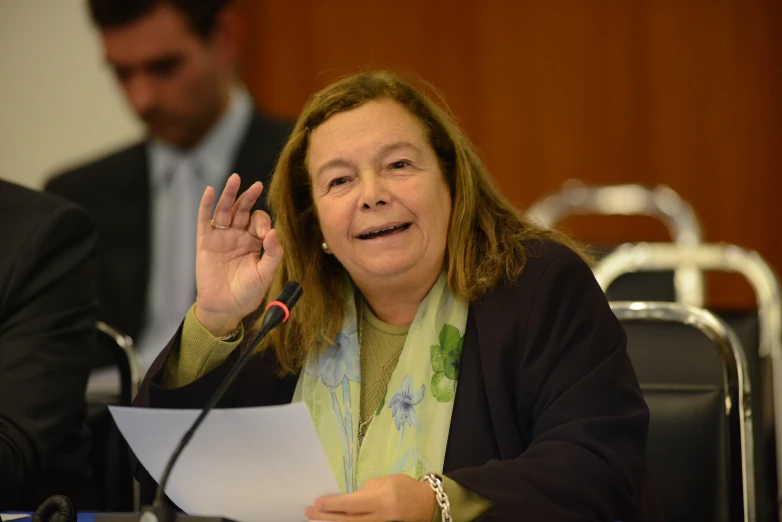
[[231, 337], [442, 499]]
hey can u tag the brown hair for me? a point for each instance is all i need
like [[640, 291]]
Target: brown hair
[[201, 15], [485, 245]]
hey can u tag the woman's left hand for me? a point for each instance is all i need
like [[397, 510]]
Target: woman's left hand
[[395, 497]]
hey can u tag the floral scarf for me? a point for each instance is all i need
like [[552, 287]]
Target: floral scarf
[[409, 430]]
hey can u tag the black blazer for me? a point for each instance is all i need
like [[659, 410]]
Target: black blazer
[[115, 190], [48, 304], [548, 423]]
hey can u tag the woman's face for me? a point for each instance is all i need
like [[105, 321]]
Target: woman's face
[[381, 198]]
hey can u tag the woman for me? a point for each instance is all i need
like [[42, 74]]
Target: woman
[[439, 334]]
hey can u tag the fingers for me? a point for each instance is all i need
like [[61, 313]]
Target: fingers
[[205, 211], [224, 207], [231, 211], [240, 213], [395, 497], [260, 224], [313, 515], [271, 258], [356, 503], [316, 516]]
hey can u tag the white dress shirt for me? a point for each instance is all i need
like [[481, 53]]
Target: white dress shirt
[[178, 179]]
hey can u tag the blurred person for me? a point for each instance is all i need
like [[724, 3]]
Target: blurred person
[[48, 304], [439, 336], [176, 63]]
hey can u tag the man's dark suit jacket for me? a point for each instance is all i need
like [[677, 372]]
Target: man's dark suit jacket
[[48, 305], [548, 423], [116, 192]]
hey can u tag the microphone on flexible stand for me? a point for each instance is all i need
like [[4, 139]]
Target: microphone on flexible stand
[[277, 312]]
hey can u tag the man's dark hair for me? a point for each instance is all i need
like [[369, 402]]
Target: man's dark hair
[[200, 14]]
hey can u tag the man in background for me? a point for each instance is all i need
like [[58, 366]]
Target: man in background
[[176, 63], [48, 304]]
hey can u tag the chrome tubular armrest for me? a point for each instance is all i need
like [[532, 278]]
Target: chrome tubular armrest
[[125, 343], [660, 202], [738, 386]]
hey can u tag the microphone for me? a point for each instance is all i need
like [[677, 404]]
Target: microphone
[[277, 312]]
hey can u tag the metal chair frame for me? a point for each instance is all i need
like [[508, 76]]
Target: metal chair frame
[[126, 345], [660, 202], [737, 385], [726, 258]]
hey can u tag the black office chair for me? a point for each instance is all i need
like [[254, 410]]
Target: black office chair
[[692, 372], [684, 285], [109, 456], [759, 331]]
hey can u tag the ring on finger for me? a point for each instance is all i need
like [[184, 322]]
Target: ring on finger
[[218, 227]]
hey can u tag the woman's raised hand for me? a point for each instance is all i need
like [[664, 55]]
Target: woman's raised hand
[[231, 278]]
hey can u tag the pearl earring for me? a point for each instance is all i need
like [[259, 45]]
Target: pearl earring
[[324, 246]]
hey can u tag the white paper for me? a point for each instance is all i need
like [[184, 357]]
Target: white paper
[[249, 464], [6, 518]]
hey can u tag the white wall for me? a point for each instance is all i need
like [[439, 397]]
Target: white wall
[[58, 102]]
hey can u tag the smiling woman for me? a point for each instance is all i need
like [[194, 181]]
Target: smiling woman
[[440, 335], [382, 203]]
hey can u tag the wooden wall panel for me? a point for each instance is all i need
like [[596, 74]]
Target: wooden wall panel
[[682, 93]]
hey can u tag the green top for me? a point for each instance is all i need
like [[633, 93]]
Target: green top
[[381, 345]]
